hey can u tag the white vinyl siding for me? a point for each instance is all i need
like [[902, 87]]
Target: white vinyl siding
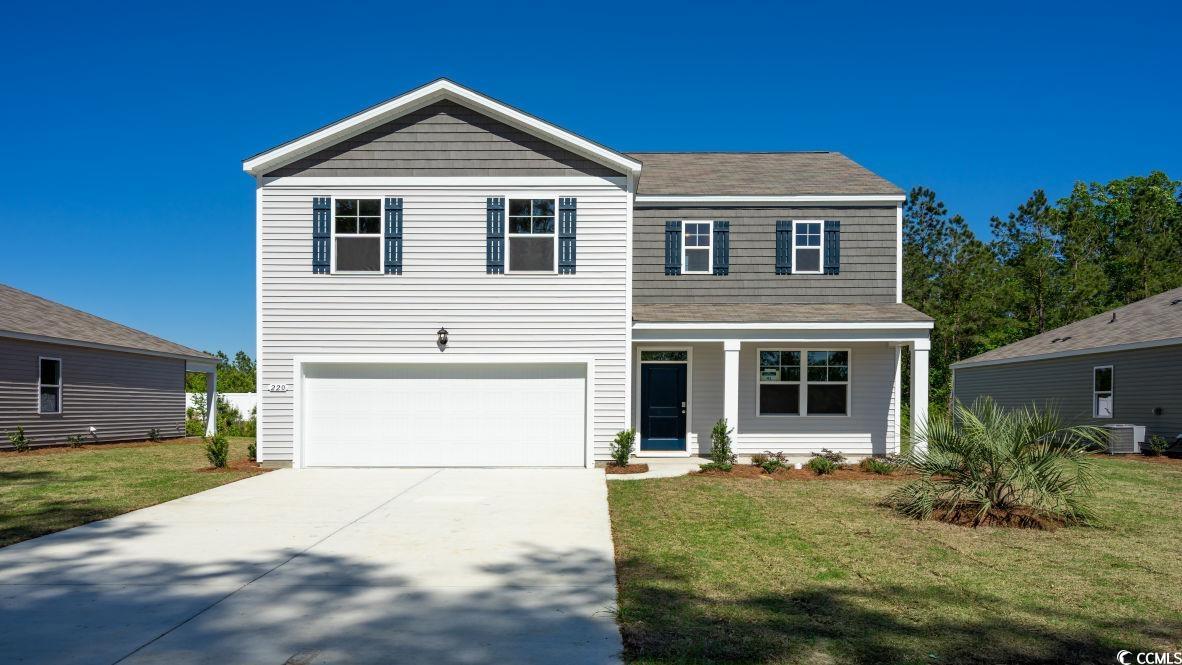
[[443, 284]]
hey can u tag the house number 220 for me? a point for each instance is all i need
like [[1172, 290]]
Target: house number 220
[[277, 388]]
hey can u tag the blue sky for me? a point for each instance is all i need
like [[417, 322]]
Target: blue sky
[[122, 187]]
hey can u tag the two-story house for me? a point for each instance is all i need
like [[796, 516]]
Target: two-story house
[[446, 280]]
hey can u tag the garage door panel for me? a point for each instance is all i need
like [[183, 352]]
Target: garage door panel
[[444, 415]]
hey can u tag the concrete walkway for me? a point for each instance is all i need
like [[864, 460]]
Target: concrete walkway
[[328, 566]]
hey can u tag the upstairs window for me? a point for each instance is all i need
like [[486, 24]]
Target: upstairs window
[[49, 386], [358, 229], [696, 249], [531, 236], [1102, 392], [807, 241]]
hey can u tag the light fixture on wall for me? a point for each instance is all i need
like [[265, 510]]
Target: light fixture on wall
[[442, 337]]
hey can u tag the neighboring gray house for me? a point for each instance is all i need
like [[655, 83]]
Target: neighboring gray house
[[64, 372], [445, 280], [1119, 367]]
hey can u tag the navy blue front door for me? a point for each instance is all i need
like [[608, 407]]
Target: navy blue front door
[[662, 406]]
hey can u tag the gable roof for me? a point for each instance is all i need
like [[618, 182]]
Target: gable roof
[[26, 316], [422, 96], [1154, 321], [757, 174]]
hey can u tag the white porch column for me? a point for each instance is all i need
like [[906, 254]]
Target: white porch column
[[730, 382], [919, 389], [211, 402]]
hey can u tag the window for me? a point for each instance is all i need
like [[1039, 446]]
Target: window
[[806, 247], [49, 385], [358, 228], [1102, 392], [795, 382], [664, 356], [531, 235], [695, 247]]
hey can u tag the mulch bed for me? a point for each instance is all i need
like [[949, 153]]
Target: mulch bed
[[1020, 517], [621, 470], [754, 472], [238, 465]]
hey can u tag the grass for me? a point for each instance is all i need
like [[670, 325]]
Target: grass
[[54, 489], [766, 571]]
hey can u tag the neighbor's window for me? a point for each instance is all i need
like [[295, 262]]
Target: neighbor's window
[[696, 247], [531, 235], [806, 247], [358, 227], [828, 383], [1102, 392], [49, 386], [779, 383]]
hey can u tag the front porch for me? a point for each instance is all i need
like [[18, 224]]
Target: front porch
[[790, 386]]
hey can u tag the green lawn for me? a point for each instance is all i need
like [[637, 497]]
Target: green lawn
[[763, 571], [46, 491]]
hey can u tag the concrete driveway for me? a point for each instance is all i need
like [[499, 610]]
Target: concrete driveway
[[328, 566]]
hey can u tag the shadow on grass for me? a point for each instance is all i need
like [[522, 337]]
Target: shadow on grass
[[662, 622]]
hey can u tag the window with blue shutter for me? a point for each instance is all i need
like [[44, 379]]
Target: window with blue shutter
[[567, 214], [673, 247], [783, 247], [495, 236], [722, 247], [393, 236], [832, 247], [321, 234]]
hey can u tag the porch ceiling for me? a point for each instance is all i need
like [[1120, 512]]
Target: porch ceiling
[[775, 313]]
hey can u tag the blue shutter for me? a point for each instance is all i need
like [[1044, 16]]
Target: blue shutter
[[832, 247], [567, 213], [783, 247], [495, 239], [321, 234], [722, 247], [673, 248], [393, 235]]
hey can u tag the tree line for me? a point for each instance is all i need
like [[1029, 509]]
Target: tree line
[[1046, 263], [234, 376]]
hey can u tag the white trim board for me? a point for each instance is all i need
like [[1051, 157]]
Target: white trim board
[[659, 199], [443, 182], [801, 325], [423, 96], [1069, 353]]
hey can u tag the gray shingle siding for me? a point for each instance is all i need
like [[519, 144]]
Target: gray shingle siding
[[444, 139], [1142, 380], [868, 258], [123, 395]]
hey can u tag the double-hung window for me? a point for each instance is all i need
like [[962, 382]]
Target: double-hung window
[[49, 385], [807, 241], [358, 230], [810, 382], [696, 248], [531, 236], [1102, 392]]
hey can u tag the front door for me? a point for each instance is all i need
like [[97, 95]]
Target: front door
[[662, 406]]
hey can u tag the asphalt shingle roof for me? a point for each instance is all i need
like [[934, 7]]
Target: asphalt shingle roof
[[26, 314], [775, 313], [1153, 319], [755, 174]]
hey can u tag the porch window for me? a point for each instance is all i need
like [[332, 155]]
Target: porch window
[[811, 382], [358, 229], [828, 383], [1102, 392], [779, 383]]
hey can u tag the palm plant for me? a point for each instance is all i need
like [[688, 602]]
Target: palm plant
[[985, 465]]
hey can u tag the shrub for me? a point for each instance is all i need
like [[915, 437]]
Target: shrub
[[876, 465], [721, 453], [1155, 446], [18, 439], [833, 456], [715, 466], [154, 434], [75, 440], [217, 450], [622, 447], [252, 451], [822, 465], [194, 427], [769, 461], [984, 465]]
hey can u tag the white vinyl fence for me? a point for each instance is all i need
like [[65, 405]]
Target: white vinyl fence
[[244, 402]]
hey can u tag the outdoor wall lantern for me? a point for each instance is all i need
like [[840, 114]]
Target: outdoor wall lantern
[[442, 337]]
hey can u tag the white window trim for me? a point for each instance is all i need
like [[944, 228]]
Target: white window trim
[[709, 249], [1111, 392], [508, 235], [820, 248], [59, 386], [379, 235], [804, 384]]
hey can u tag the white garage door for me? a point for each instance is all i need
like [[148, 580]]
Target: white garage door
[[444, 415]]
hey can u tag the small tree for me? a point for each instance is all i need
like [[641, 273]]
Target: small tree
[[18, 439], [721, 453], [622, 447], [217, 450]]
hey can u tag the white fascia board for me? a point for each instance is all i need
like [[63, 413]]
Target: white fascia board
[[1172, 341], [102, 347], [201, 365], [418, 98], [863, 199], [437, 182], [861, 325]]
